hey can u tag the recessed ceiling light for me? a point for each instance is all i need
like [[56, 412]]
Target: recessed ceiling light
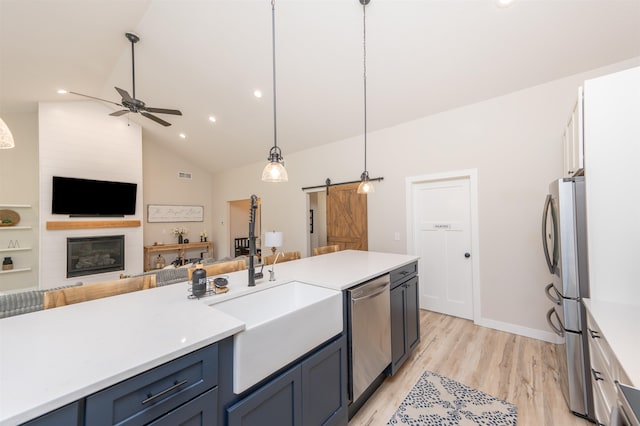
[[504, 3], [257, 93], [212, 119], [62, 92], [182, 135]]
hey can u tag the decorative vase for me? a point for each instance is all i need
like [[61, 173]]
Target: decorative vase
[[180, 240], [7, 264]]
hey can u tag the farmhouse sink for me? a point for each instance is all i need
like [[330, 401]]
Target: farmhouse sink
[[282, 323]]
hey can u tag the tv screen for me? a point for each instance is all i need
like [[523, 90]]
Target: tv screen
[[86, 197]]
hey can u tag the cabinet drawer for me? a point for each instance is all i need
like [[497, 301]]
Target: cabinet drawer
[[599, 343], [398, 275], [602, 378], [202, 410], [146, 397], [602, 410]]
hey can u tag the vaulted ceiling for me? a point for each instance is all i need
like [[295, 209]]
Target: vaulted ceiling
[[207, 58]]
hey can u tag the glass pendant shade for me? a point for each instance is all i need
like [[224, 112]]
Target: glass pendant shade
[[274, 172], [366, 186], [6, 138]]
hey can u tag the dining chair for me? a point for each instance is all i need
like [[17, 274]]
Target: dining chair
[[83, 293]]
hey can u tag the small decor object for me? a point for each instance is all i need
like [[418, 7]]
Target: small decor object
[[9, 218], [160, 262], [203, 236], [180, 232], [199, 281], [6, 138], [7, 264], [186, 241]]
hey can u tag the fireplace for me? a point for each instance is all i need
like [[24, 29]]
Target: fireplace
[[94, 255]]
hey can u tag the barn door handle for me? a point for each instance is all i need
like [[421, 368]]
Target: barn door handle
[[467, 255]]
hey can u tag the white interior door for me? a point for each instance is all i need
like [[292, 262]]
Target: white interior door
[[442, 239]]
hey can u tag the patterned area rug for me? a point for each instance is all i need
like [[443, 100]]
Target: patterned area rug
[[437, 400]]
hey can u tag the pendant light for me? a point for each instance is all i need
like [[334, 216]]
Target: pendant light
[[6, 138], [274, 171], [366, 186]]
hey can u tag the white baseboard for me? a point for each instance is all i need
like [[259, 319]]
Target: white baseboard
[[533, 333]]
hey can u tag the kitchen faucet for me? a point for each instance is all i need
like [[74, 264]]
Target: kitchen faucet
[[272, 271], [252, 239]]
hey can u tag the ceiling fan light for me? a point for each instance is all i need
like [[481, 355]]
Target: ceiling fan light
[[6, 138]]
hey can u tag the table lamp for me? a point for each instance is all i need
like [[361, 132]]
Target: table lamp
[[273, 239]]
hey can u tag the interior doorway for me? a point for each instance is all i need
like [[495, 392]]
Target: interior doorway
[[239, 226], [338, 215], [442, 229]]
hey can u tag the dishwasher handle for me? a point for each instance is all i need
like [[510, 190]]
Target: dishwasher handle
[[368, 295]]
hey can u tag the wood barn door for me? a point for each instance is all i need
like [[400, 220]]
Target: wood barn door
[[347, 218]]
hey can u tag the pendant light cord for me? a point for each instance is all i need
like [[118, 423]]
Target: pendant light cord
[[364, 49], [273, 42]]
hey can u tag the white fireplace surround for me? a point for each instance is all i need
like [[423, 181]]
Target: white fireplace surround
[[79, 139]]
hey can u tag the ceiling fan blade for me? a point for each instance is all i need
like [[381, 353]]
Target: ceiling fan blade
[[124, 94], [156, 119], [119, 113], [93, 97], [163, 111]]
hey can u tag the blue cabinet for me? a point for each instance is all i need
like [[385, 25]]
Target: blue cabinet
[[69, 415], [311, 392], [405, 314], [146, 397], [201, 410]]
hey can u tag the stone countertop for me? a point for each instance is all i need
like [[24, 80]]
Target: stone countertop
[[619, 325], [54, 357]]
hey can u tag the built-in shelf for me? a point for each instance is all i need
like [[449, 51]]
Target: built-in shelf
[[9, 228], [16, 206], [92, 224], [11, 271], [15, 249]]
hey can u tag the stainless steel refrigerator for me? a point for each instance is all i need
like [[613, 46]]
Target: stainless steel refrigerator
[[564, 240]]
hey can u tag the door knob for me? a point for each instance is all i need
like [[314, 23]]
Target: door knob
[[467, 255]]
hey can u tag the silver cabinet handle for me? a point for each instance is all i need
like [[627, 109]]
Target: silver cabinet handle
[[176, 385], [594, 334], [597, 375], [369, 296]]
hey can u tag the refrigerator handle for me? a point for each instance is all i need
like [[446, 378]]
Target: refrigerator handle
[[558, 331], [545, 213], [557, 300]]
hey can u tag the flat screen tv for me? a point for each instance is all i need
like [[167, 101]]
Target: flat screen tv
[[87, 197]]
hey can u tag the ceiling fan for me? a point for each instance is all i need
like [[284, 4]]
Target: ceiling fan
[[131, 103]]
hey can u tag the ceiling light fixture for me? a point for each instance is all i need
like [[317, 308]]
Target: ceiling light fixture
[[257, 93], [274, 171], [62, 91], [504, 3], [6, 138], [366, 186], [212, 119], [182, 135]]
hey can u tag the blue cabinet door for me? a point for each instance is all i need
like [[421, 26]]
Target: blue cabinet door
[[276, 403], [398, 328], [324, 386], [64, 416]]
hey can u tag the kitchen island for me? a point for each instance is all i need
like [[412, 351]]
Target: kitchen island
[[52, 358]]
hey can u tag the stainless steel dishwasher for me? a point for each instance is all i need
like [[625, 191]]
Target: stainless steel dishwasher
[[370, 332]]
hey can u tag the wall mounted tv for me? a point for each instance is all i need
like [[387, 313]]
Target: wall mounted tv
[[86, 197]]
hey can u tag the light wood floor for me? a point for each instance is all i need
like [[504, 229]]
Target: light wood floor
[[517, 369]]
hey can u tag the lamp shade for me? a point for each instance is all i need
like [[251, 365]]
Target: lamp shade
[[6, 138], [274, 171], [273, 239]]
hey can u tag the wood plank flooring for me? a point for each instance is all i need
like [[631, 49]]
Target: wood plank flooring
[[517, 369]]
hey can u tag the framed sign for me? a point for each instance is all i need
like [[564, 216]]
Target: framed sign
[[169, 213]]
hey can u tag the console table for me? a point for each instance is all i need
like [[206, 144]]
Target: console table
[[149, 251]]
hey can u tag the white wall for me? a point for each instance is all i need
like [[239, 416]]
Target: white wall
[[162, 186], [80, 139], [19, 185], [515, 143]]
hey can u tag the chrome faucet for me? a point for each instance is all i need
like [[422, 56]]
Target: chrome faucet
[[272, 271]]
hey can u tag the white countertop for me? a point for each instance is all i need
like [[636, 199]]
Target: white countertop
[[619, 325], [54, 357]]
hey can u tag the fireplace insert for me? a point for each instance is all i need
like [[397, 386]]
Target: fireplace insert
[[94, 255]]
